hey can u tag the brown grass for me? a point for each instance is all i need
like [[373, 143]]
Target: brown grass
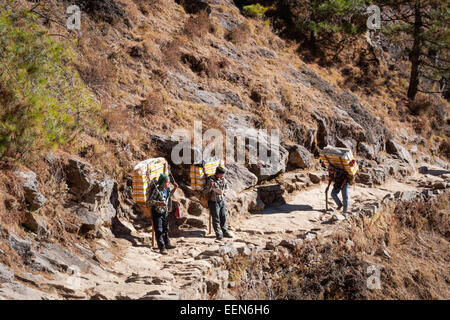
[[198, 25], [239, 35], [171, 52]]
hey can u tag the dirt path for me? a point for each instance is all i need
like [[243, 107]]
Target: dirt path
[[131, 269], [304, 209]]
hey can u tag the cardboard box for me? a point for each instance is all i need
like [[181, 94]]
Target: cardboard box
[[144, 173], [197, 174], [341, 158]]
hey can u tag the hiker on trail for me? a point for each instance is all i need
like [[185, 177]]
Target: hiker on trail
[[217, 186], [160, 202], [340, 179]]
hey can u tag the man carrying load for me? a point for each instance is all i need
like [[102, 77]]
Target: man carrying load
[[340, 179], [217, 186], [160, 202]]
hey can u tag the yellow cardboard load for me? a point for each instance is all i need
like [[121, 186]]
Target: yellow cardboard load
[[341, 158], [198, 176], [144, 173]]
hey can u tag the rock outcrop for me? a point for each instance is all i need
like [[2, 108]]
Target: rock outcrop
[[33, 198], [95, 194]]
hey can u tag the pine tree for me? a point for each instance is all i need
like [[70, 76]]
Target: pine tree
[[312, 18], [422, 27], [43, 102]]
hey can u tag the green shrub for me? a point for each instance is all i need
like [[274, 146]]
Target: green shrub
[[255, 11], [43, 102]]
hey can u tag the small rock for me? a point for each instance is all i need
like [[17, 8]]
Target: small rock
[[350, 244], [406, 196], [364, 178], [315, 177], [195, 208], [439, 185], [228, 250], [383, 253], [212, 287], [36, 223], [337, 217], [244, 251], [427, 193], [270, 245], [197, 223], [291, 244], [310, 236]]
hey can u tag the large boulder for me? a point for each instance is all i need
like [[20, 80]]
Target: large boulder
[[33, 198], [94, 192], [271, 194], [399, 151], [240, 126], [367, 151], [239, 178], [299, 157], [24, 248], [49, 257]]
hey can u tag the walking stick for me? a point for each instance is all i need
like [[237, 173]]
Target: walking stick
[[148, 213], [210, 223], [153, 228], [326, 199]]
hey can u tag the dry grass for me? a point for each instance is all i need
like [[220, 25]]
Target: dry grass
[[239, 35], [198, 25], [172, 52]]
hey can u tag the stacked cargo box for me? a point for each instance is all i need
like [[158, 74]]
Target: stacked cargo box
[[144, 173], [341, 158], [197, 174]]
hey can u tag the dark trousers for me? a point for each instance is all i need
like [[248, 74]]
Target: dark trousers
[[218, 213], [161, 226], [334, 195]]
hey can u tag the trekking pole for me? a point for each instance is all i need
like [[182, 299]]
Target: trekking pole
[[206, 181], [150, 211], [326, 200], [153, 227], [210, 223]]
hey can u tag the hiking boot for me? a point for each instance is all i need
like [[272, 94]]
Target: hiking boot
[[339, 207], [170, 246], [163, 251], [219, 238], [227, 234]]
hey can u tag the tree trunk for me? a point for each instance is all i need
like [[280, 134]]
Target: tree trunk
[[415, 53]]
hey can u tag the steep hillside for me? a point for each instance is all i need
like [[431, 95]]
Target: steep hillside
[[134, 73]]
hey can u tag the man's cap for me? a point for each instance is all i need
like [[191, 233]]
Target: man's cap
[[220, 170], [162, 179]]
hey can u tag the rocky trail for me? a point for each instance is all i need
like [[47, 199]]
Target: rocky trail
[[128, 268]]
